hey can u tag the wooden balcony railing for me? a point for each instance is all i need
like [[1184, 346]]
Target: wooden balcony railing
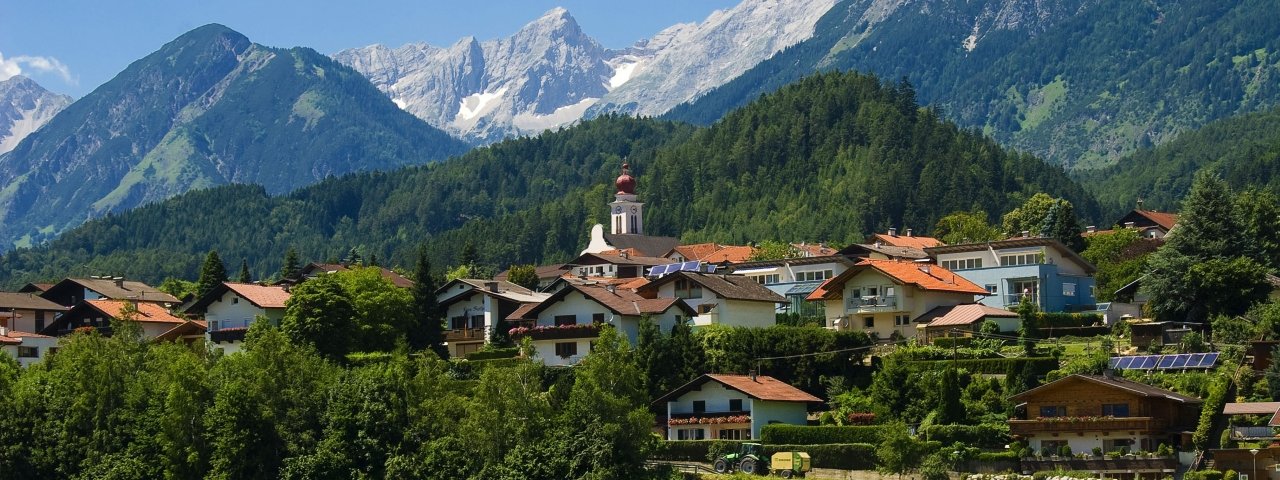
[[464, 334], [1083, 424]]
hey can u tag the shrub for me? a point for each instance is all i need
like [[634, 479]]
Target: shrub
[[987, 435], [692, 450], [950, 342], [1203, 475], [993, 366], [1067, 320], [806, 435], [493, 354], [1009, 456]]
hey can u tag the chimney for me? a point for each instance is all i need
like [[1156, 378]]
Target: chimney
[[624, 254], [611, 288], [1026, 233], [908, 232], [753, 375], [1139, 203], [491, 286], [4, 332], [1090, 229], [925, 268], [119, 282], [1128, 224], [893, 232]]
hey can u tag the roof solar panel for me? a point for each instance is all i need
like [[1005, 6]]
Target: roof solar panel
[[709, 268], [1210, 360], [1166, 361], [1114, 361], [1125, 363], [658, 270], [690, 266], [1180, 361]]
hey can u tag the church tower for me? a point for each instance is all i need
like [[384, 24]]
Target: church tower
[[627, 213]]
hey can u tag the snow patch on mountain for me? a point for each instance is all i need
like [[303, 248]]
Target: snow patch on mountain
[[25, 106], [478, 104]]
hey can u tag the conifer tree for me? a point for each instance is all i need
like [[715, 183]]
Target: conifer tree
[[290, 267], [428, 328], [244, 276], [212, 273]]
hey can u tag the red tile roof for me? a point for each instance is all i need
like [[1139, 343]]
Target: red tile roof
[[814, 249], [147, 312], [966, 314], [1163, 219], [189, 328], [905, 241], [697, 251], [731, 254], [271, 296], [762, 387], [14, 337], [923, 276]]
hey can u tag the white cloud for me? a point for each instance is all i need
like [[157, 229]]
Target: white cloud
[[14, 66]]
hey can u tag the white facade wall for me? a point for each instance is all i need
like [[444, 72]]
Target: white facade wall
[[42, 345], [584, 310], [735, 313], [1090, 440], [231, 311], [910, 301]]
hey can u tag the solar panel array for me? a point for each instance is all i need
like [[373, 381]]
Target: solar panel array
[[694, 266], [1181, 361]]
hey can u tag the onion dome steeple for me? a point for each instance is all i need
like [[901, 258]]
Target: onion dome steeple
[[626, 183]]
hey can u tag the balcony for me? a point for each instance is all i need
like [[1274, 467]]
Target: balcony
[[464, 334], [1085, 424], [235, 334], [883, 303], [1253, 433], [1012, 300], [560, 332]]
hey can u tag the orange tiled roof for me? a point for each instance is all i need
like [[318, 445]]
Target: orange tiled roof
[[814, 249], [697, 251], [14, 337], [271, 296], [966, 314], [1163, 219], [147, 311], [923, 276], [765, 388], [906, 241], [730, 254]]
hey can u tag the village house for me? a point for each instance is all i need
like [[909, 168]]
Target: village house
[[27, 348], [230, 308], [795, 278], [27, 312], [882, 297], [547, 274], [619, 264], [965, 320], [1149, 223], [732, 407], [1111, 414], [719, 299], [154, 318], [474, 308], [1039, 269], [71, 291], [563, 326], [1251, 422], [310, 270]]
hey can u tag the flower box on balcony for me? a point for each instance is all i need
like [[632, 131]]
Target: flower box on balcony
[[559, 332]]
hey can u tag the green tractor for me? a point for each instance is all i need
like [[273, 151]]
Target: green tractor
[[747, 460]]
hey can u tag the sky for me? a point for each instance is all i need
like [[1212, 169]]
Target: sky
[[73, 46]]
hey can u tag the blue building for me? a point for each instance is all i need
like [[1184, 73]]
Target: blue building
[[1044, 270]]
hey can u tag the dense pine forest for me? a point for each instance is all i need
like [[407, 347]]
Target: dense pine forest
[[840, 155]]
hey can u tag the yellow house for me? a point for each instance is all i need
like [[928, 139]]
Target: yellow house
[[885, 297]]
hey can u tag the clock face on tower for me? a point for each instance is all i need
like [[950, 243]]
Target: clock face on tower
[[617, 209], [634, 209]]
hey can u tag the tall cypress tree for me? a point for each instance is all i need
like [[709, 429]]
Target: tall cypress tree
[[290, 267], [212, 273], [428, 328], [244, 277]]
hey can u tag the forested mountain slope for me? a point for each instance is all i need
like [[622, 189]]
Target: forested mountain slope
[[208, 108], [829, 158], [1080, 83], [1244, 150]]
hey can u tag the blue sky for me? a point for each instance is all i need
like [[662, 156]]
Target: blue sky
[[72, 46]]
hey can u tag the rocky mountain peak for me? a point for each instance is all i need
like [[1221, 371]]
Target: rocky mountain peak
[[25, 106]]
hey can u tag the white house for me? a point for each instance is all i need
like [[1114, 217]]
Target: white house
[[732, 407], [882, 297], [795, 278], [154, 318], [230, 308], [26, 347], [564, 325], [27, 312], [719, 299], [475, 308]]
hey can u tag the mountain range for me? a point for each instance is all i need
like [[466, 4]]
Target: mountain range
[[550, 73], [206, 109], [25, 106]]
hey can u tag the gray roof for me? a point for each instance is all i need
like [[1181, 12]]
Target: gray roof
[[733, 287], [27, 301], [124, 290], [648, 246]]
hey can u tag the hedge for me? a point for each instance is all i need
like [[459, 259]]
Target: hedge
[[493, 354], [818, 435], [844, 456], [1203, 475], [992, 366], [1077, 331], [1060, 320], [1007, 456], [985, 435]]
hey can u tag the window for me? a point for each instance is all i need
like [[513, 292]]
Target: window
[[706, 308], [869, 322], [40, 321], [735, 405], [691, 434], [814, 275], [767, 279], [687, 289], [235, 300], [1115, 409], [870, 291], [1025, 288], [735, 434], [1069, 289], [477, 321], [1052, 447], [566, 320], [28, 352], [901, 320], [992, 288], [566, 349], [699, 406], [1048, 411], [597, 318], [213, 325], [458, 323], [962, 264], [1032, 258]]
